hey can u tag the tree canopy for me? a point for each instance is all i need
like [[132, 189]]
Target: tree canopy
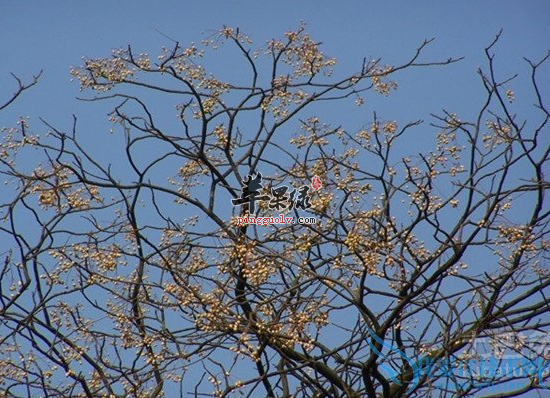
[[136, 275]]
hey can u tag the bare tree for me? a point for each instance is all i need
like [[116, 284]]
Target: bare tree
[[19, 90], [137, 276]]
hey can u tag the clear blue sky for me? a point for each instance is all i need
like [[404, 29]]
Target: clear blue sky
[[53, 36]]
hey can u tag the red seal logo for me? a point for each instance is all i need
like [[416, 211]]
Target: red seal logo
[[316, 183]]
